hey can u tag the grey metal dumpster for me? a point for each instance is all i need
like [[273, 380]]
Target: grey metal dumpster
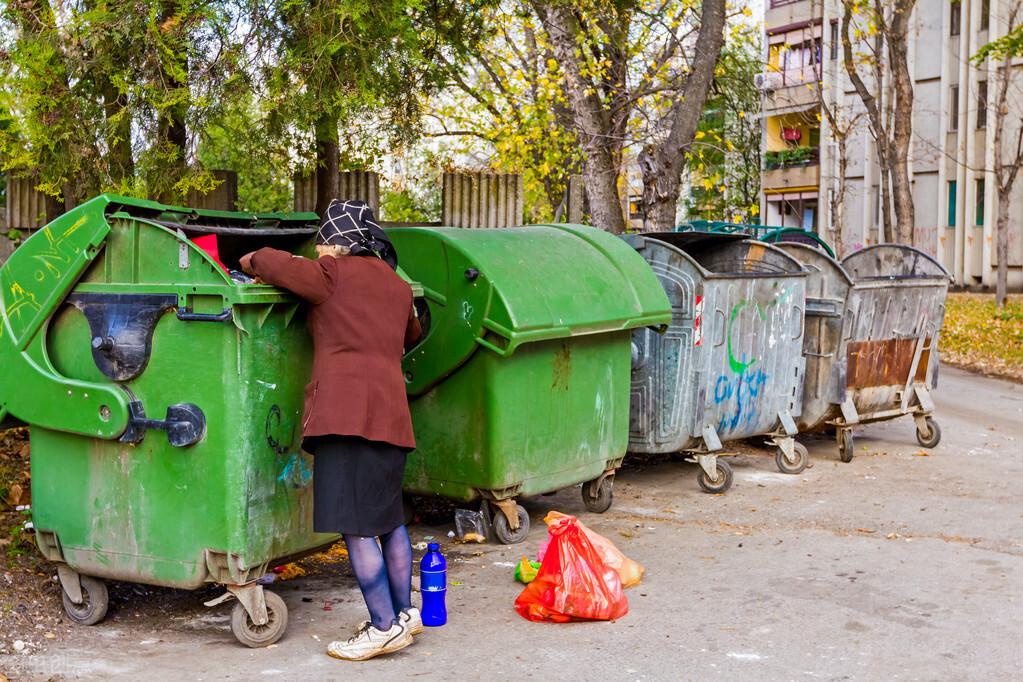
[[730, 365], [871, 341]]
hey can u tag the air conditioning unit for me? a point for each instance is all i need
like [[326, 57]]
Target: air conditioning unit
[[766, 82]]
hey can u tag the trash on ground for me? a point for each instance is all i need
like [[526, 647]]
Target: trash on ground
[[526, 570], [289, 572], [629, 572], [469, 522], [573, 582]]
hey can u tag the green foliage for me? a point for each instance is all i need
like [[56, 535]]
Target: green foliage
[[363, 65], [724, 162], [1006, 47], [401, 206], [785, 158], [238, 141]]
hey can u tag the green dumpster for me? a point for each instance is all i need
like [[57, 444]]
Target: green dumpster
[[521, 384], [164, 400]]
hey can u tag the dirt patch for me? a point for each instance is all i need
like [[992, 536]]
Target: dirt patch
[[30, 614]]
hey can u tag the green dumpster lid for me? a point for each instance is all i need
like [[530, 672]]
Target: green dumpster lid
[[501, 288]]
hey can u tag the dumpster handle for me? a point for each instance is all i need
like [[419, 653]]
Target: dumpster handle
[[802, 323], [186, 315]]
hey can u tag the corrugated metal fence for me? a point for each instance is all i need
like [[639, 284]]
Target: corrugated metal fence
[[360, 185], [482, 200]]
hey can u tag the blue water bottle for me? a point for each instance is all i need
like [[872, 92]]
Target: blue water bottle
[[433, 584]]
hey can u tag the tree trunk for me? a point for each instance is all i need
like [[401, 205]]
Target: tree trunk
[[171, 129], [592, 121], [662, 164], [328, 156], [838, 197], [1002, 247], [884, 198], [902, 133]]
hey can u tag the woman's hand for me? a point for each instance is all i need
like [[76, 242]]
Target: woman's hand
[[246, 263]]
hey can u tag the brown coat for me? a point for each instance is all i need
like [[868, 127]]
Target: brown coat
[[361, 319]]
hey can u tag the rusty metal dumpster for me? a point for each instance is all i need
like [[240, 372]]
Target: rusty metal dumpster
[[114, 327], [730, 364], [871, 342]]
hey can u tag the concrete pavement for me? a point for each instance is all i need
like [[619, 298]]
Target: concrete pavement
[[896, 566]]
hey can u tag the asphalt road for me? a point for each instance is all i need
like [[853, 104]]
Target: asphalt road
[[897, 566]]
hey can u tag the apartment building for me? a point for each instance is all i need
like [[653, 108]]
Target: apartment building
[[952, 149]]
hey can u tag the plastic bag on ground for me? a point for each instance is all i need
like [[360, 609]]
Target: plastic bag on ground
[[574, 582], [526, 571], [629, 571]]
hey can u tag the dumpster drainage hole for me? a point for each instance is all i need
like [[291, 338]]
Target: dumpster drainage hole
[[104, 413]]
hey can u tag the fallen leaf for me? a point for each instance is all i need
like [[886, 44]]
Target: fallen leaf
[[921, 453], [865, 530], [14, 495]]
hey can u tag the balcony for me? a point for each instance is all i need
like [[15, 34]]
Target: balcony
[[791, 168], [782, 13]]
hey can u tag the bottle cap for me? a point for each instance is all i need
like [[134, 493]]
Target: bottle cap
[[433, 547]]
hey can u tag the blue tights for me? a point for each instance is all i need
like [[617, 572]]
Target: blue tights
[[384, 572]]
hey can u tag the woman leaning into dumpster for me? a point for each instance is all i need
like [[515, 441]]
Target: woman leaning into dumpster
[[356, 420]]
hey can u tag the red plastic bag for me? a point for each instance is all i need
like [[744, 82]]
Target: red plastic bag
[[574, 583], [629, 571]]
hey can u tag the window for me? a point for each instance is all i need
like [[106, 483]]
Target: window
[[951, 222], [953, 108], [981, 105], [980, 203], [955, 18], [985, 15], [834, 40]]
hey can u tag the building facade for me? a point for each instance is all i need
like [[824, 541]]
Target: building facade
[[952, 148]]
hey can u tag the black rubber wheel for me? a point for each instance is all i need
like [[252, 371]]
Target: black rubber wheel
[[721, 483], [598, 501], [846, 445], [95, 601], [257, 636], [932, 437], [797, 467], [503, 532]]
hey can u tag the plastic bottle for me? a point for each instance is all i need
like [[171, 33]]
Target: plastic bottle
[[433, 584]]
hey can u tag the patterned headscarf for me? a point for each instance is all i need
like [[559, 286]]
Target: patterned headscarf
[[352, 224]]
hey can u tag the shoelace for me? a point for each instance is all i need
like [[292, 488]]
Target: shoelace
[[357, 635]]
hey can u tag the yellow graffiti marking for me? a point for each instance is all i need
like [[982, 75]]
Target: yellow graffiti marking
[[74, 227], [22, 299]]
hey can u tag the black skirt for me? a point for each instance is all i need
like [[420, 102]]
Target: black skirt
[[356, 485]]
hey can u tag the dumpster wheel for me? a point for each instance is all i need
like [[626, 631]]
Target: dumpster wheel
[[802, 459], [95, 600], [598, 494], [846, 444], [256, 636], [503, 531], [932, 436], [722, 481]]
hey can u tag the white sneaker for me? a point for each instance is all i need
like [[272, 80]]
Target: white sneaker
[[411, 618], [369, 642]]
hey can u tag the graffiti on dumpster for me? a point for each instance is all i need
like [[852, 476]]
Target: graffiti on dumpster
[[295, 470], [743, 386], [743, 391], [56, 256]]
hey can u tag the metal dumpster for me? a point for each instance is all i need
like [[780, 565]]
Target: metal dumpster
[[521, 383], [117, 327], [730, 365], [872, 337]]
